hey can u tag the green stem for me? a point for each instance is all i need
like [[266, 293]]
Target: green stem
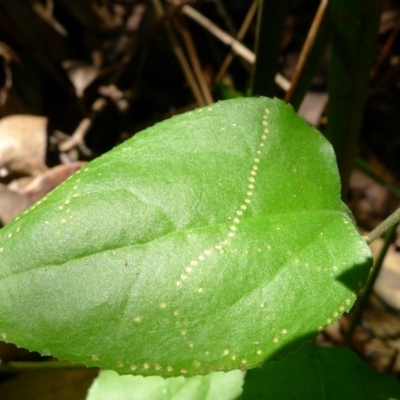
[[366, 292], [389, 222], [270, 24]]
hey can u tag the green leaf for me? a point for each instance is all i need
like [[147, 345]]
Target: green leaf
[[216, 386], [211, 241], [315, 372]]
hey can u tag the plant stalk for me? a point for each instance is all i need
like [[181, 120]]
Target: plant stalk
[[355, 27], [388, 223], [366, 292], [270, 23]]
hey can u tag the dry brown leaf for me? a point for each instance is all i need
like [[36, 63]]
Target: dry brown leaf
[[50, 179], [11, 204], [23, 144]]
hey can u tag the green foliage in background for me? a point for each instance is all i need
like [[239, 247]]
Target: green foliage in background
[[315, 373]]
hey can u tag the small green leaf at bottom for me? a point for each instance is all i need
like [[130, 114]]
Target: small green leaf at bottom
[[216, 386]]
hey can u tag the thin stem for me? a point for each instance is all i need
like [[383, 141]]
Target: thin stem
[[270, 25], [366, 292], [224, 37], [77, 138], [386, 48], [180, 55], [194, 59], [237, 47], [389, 222], [306, 50], [242, 31]]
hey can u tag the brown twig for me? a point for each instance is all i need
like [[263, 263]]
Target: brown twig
[[237, 47], [194, 59], [386, 48], [242, 31], [180, 55], [306, 50], [46, 14], [224, 37], [77, 138]]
